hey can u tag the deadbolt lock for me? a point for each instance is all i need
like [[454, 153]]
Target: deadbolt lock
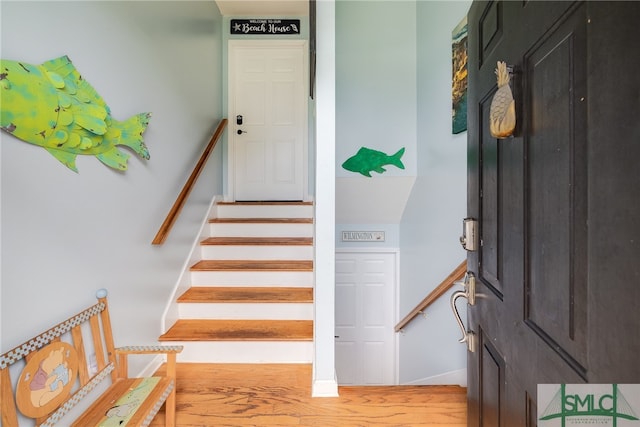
[[469, 238]]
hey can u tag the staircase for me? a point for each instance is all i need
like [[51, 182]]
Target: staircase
[[251, 295]]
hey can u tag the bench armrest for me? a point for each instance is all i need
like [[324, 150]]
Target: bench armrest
[[149, 349], [122, 354]]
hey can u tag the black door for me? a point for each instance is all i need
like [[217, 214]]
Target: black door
[[558, 204]]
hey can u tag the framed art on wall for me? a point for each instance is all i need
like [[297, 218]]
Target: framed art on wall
[[459, 77]]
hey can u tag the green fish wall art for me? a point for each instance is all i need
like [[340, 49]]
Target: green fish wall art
[[367, 160], [52, 106]]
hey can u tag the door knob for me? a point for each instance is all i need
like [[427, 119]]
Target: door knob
[[469, 293], [240, 132]]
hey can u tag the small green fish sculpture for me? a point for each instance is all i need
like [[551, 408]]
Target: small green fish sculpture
[[367, 160], [52, 106]]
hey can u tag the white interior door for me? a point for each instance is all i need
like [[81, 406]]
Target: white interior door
[[268, 116], [365, 313]]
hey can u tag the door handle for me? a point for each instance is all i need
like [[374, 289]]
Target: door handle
[[240, 131], [469, 293]]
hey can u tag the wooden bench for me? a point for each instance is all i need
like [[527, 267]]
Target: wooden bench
[[47, 376]]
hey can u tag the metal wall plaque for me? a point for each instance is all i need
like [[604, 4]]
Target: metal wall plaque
[[265, 26], [363, 236]]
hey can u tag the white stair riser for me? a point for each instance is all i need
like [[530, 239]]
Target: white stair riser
[[276, 252], [265, 211], [303, 279], [222, 229], [245, 351], [247, 311], [253, 351]]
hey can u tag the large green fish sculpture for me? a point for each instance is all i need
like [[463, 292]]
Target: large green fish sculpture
[[52, 106], [367, 160]]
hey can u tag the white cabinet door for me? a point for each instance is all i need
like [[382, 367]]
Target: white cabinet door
[[268, 116], [365, 307]]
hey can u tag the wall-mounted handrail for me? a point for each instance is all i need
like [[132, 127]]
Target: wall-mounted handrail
[[166, 226], [443, 287]]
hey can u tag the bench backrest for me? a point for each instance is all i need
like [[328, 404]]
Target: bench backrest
[[45, 377]]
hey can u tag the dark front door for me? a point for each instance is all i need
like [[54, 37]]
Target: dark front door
[[558, 203]]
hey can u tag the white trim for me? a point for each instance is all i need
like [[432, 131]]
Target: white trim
[[457, 377], [170, 315], [249, 352], [325, 196], [396, 317], [386, 250], [231, 84], [324, 388]]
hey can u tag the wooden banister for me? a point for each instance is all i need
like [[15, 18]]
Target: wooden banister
[[443, 287], [166, 226]]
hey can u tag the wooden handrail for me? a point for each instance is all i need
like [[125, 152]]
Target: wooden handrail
[[165, 228], [443, 287]]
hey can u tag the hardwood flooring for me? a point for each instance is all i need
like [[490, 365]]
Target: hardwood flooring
[[246, 294], [239, 330], [268, 202], [244, 265], [261, 220], [258, 241], [224, 395]]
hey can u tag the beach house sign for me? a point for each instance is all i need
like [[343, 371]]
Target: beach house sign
[[265, 26]]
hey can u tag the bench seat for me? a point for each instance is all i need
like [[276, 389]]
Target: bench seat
[[128, 402]]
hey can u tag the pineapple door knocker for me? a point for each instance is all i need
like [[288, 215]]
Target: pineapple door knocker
[[503, 107]]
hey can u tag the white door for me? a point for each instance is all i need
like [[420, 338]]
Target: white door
[[365, 313], [268, 116]]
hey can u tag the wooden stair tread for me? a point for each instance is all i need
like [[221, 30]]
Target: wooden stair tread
[[210, 294], [252, 265], [268, 202], [258, 241], [261, 220], [239, 330]]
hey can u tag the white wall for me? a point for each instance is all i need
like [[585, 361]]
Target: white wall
[[393, 89], [64, 235], [376, 81], [432, 221], [375, 106]]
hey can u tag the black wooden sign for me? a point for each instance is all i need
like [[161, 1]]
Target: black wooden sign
[[265, 26]]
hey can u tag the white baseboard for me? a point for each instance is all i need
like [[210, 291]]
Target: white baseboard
[[324, 388], [170, 314], [152, 367], [458, 377]]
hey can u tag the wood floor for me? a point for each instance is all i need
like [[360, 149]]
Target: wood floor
[[246, 294], [239, 330], [258, 241], [224, 395], [244, 265]]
